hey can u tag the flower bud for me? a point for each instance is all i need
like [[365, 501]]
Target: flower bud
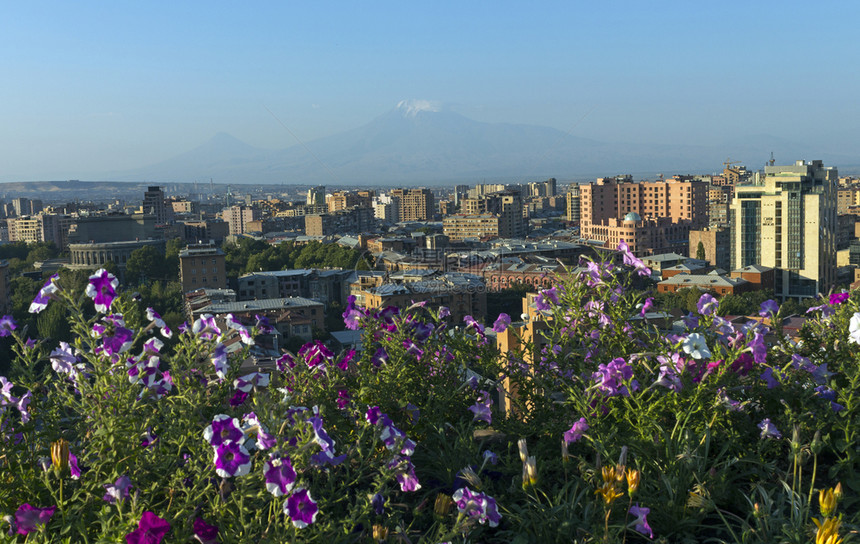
[[60, 455], [442, 505], [837, 491], [380, 533], [531, 469], [608, 474], [565, 456], [524, 450], [632, 481], [826, 502]]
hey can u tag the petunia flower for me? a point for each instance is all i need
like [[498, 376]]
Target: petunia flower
[[45, 295], [205, 533], [854, 329], [223, 428], [640, 524], [7, 325], [696, 347], [769, 308], [231, 460], [102, 289], [220, 360], [707, 305], [648, 305], [28, 517], [482, 409], [153, 316], [206, 327], [150, 530], [279, 475], [63, 361], [768, 429], [838, 298], [502, 323], [118, 491], [576, 431], [301, 508], [477, 506]]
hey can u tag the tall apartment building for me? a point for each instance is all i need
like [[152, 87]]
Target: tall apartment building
[[316, 196], [651, 216], [386, 208], [415, 204], [237, 217], [153, 204], [462, 226], [43, 227], [202, 266], [573, 203], [786, 219], [355, 220]]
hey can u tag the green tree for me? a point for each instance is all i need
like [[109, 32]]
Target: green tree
[[144, 264], [700, 251]]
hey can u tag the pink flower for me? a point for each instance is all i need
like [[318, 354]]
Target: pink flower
[[301, 508], [150, 530], [28, 517], [576, 432]]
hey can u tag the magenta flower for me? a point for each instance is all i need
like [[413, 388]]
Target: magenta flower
[[102, 289], [478, 506], [301, 508], [153, 316], [118, 491], [205, 533], [649, 303], [232, 459], [546, 299], [284, 362], [502, 323], [249, 381], [28, 517], [74, 469], [150, 530], [640, 524], [223, 429], [206, 327], [45, 294], [7, 325], [256, 431], [576, 431], [404, 473], [280, 475], [838, 298], [380, 357]]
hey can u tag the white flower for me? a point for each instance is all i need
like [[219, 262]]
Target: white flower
[[854, 329], [696, 347]]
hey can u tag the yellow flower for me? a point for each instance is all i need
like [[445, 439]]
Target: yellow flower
[[60, 454], [609, 493], [380, 533], [828, 531], [608, 474], [837, 492], [633, 481], [826, 502]]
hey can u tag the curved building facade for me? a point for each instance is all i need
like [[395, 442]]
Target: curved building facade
[[94, 255]]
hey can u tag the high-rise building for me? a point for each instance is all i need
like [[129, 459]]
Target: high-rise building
[[786, 219], [573, 213], [237, 217], [415, 204], [316, 196], [386, 208], [153, 204], [202, 266]]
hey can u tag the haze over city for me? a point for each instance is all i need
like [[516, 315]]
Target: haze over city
[[96, 91]]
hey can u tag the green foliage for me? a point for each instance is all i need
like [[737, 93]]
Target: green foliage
[[700, 251], [254, 256]]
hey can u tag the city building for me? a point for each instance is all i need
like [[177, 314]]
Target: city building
[[5, 288], [720, 285], [294, 316], [316, 196], [238, 217], [92, 255], [202, 266], [786, 219], [386, 209], [355, 220], [112, 228], [153, 204], [573, 203], [43, 227], [461, 227], [326, 286], [415, 204], [716, 243]]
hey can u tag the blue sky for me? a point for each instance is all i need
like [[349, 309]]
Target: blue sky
[[96, 86]]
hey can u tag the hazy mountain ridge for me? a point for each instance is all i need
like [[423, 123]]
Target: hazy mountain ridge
[[425, 144]]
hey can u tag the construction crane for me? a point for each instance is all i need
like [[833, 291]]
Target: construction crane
[[728, 162]]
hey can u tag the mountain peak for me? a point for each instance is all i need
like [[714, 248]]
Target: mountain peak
[[412, 107]]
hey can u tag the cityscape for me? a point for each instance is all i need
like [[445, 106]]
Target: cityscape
[[432, 273]]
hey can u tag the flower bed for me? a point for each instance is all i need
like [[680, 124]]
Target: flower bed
[[598, 429]]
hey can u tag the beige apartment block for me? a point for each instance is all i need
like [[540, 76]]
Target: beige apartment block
[[786, 219]]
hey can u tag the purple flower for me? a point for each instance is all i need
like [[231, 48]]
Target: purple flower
[[649, 303], [301, 508], [284, 362], [7, 325], [380, 357], [769, 308], [342, 399], [631, 260], [222, 429], [490, 457], [348, 357], [255, 430], [352, 315], [546, 299], [63, 361], [444, 312], [280, 475], [404, 473], [118, 491], [206, 327], [707, 305], [238, 398], [24, 402], [378, 503], [262, 323], [640, 524], [205, 533], [219, 359], [232, 459], [502, 323], [610, 378], [150, 530], [758, 348], [74, 469], [153, 316], [576, 431], [838, 298], [249, 381], [477, 505], [102, 289], [768, 429], [28, 517], [482, 408], [45, 294]]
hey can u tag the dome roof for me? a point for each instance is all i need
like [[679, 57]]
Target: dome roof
[[632, 216]]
